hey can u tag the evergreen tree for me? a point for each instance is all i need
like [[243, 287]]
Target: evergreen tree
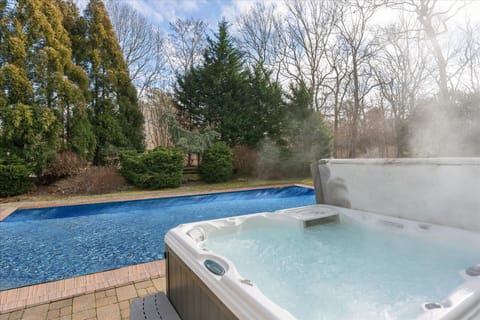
[[3, 30], [220, 94], [304, 138], [187, 100], [39, 82], [116, 115], [266, 112], [307, 137], [224, 86], [300, 105], [214, 94], [76, 26], [79, 134]]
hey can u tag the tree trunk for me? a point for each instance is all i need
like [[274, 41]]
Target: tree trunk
[[356, 109], [440, 59]]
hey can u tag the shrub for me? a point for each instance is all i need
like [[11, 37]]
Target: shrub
[[92, 180], [14, 178], [66, 164], [217, 163], [158, 168]]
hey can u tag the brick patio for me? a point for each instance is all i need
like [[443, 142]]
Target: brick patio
[[108, 304]]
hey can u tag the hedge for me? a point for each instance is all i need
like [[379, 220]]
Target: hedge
[[217, 164], [158, 168], [14, 179]]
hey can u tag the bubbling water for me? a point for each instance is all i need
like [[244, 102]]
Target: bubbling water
[[345, 270]]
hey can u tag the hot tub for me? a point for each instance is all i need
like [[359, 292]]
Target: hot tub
[[322, 262], [388, 239]]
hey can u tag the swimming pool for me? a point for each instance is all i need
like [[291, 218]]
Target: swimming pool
[[41, 245]]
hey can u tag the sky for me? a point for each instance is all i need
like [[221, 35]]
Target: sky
[[161, 12]]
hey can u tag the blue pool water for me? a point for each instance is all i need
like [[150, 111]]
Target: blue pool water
[[40, 245]]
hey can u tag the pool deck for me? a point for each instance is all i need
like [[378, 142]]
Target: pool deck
[[103, 295], [109, 304], [45, 293]]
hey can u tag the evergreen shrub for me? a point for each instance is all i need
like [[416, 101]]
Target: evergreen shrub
[[217, 164], [158, 168], [14, 178]]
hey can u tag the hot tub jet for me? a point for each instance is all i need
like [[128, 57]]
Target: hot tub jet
[[473, 271]]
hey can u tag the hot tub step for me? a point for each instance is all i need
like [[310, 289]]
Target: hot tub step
[[153, 307]]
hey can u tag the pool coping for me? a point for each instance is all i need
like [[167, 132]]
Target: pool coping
[[28, 296], [8, 208], [5, 211]]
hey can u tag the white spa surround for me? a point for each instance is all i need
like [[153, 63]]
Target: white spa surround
[[246, 301]]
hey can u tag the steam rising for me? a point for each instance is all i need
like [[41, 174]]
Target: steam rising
[[304, 141], [446, 130]]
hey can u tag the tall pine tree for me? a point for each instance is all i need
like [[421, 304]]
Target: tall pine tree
[[242, 106], [306, 135], [40, 84], [116, 115], [224, 84], [187, 98], [78, 131], [266, 108]]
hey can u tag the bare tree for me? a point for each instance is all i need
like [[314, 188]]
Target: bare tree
[[260, 30], [336, 85], [468, 72], [401, 71], [360, 46], [187, 41], [433, 23], [142, 43], [309, 27]]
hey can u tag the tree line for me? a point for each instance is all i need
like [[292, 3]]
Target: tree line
[[406, 87], [409, 85], [246, 107], [293, 81]]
